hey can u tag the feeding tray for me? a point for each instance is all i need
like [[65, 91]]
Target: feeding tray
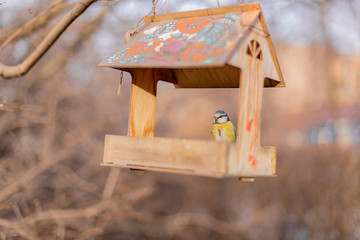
[[225, 47]]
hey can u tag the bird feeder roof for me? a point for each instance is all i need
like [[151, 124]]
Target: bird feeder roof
[[190, 42]]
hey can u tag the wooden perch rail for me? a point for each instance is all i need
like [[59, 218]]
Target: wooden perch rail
[[22, 68]]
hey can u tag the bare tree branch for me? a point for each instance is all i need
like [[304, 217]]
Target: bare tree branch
[[35, 23], [33, 172], [110, 183], [22, 68], [25, 234]]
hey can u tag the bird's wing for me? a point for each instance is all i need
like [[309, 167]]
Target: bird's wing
[[213, 131], [234, 130], [231, 132]]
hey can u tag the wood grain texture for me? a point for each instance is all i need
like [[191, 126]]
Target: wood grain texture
[[253, 63], [272, 78], [271, 48], [142, 102], [182, 156], [215, 77], [203, 12], [196, 157]]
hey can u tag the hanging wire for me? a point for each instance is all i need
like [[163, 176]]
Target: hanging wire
[[167, 2], [141, 22], [154, 6], [153, 12]]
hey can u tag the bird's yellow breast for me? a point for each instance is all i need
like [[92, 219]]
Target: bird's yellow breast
[[224, 132]]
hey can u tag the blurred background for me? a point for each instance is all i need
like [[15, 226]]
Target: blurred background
[[53, 121]]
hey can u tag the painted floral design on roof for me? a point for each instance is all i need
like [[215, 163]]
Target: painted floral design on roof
[[192, 40]]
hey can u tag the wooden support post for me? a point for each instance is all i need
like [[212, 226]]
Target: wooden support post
[[142, 102], [250, 99], [247, 156]]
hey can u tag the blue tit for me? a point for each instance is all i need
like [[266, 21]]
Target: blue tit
[[222, 128]]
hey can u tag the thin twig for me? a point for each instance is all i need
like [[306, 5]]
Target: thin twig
[[177, 222], [110, 183], [64, 214], [22, 68], [7, 224], [33, 172], [35, 23]]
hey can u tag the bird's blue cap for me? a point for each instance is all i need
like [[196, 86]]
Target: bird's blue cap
[[220, 112]]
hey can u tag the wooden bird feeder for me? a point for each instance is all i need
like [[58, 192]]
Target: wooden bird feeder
[[225, 47]]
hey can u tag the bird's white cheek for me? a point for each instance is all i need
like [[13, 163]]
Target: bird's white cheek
[[222, 120]]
